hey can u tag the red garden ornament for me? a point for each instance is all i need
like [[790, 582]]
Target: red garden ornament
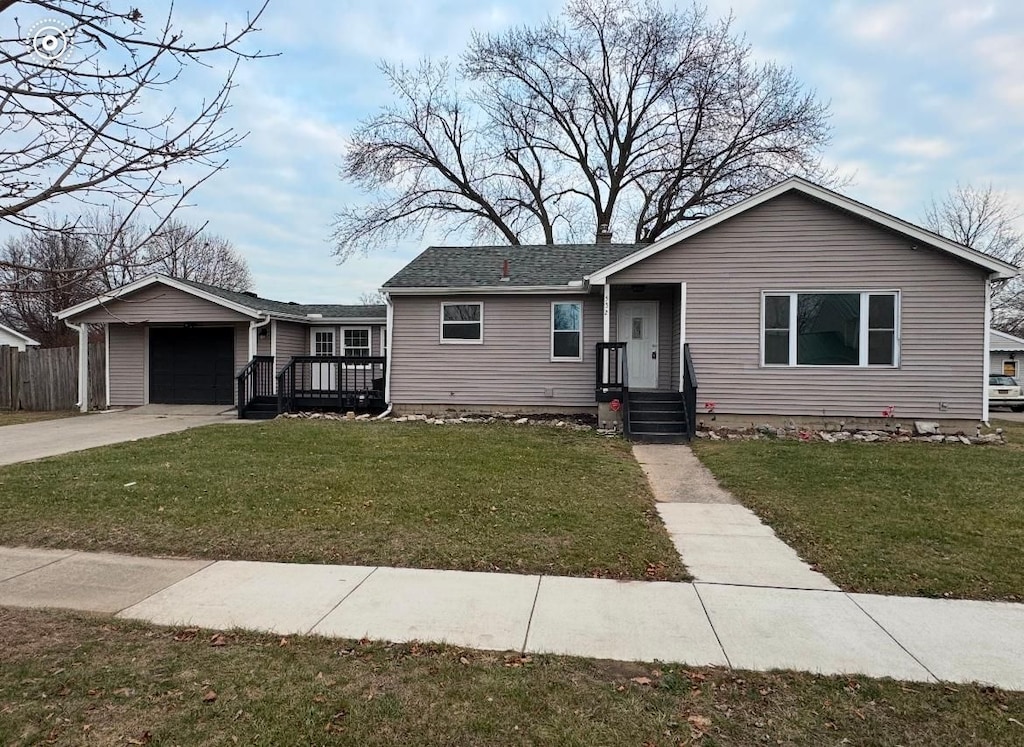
[[615, 405]]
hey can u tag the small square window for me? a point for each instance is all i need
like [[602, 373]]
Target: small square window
[[462, 322]]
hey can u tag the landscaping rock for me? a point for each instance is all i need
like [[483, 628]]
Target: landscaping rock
[[925, 428]]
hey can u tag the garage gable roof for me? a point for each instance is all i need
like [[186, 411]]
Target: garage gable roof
[[244, 303], [1003, 342], [15, 333], [795, 184]]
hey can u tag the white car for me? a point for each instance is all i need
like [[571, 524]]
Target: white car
[[1005, 391]]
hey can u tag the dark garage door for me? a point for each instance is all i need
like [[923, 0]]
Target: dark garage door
[[191, 366]]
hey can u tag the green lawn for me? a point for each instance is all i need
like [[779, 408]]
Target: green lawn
[[918, 519], [476, 497], [79, 680], [17, 417]]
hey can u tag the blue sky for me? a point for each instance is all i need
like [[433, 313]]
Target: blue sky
[[923, 93]]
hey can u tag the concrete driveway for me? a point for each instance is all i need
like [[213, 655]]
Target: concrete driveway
[[23, 443], [1016, 417]]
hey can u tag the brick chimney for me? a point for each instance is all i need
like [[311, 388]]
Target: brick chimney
[[505, 272], [604, 234]]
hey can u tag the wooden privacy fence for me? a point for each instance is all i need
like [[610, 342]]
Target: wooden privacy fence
[[47, 379]]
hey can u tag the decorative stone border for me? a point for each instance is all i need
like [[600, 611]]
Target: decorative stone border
[[922, 432], [573, 422]]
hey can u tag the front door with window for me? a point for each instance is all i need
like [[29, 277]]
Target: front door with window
[[324, 374], [637, 325]]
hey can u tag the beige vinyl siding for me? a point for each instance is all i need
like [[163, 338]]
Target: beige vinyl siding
[[292, 339], [793, 243], [160, 303], [513, 365], [241, 345], [128, 365], [263, 343]]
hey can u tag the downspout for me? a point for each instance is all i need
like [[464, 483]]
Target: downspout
[[83, 365], [253, 332], [987, 365], [387, 355]]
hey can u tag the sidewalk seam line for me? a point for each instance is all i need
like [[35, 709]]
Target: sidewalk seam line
[[894, 639], [165, 588], [533, 608], [350, 593], [41, 567], [704, 607]]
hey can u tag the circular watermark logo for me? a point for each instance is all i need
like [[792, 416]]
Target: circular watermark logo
[[49, 40]]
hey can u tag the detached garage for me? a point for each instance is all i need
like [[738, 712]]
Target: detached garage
[[179, 342]]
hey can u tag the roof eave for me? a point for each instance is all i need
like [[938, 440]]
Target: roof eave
[[997, 268], [486, 290], [147, 281]]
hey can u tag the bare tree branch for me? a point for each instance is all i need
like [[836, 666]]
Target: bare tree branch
[[618, 112], [984, 219]]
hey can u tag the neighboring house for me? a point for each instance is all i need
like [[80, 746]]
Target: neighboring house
[[1006, 353], [15, 339], [180, 342], [795, 302]]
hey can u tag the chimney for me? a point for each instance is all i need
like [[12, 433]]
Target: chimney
[[604, 235], [505, 277]]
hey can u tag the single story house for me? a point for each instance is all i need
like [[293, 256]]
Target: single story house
[[15, 339], [173, 341], [796, 302], [1006, 353]]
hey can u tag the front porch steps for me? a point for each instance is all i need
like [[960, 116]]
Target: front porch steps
[[261, 408], [657, 417]]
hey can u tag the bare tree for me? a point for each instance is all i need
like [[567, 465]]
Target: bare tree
[[55, 281], [983, 219], [376, 298], [81, 117], [190, 253], [46, 270], [619, 113]]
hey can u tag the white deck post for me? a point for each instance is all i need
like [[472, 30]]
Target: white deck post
[[83, 367], [986, 356], [273, 351], [607, 321], [682, 332]]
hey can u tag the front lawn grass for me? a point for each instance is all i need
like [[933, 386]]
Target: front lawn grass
[[916, 519], [18, 417], [475, 497], [79, 680]]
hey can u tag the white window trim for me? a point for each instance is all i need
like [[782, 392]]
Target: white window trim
[[863, 333], [444, 340], [334, 339], [560, 358], [369, 338]]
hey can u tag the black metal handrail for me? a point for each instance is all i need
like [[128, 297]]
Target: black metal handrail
[[610, 377], [689, 392], [255, 380], [332, 382]]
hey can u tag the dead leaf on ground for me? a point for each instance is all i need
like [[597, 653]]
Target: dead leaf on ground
[[219, 639], [186, 634], [699, 723], [641, 680], [145, 738], [209, 696]]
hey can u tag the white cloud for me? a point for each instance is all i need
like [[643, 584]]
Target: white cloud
[[928, 148]]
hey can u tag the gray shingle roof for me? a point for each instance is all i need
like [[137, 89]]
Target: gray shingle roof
[[473, 266], [332, 311]]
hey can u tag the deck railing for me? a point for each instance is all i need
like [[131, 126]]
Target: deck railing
[[689, 392], [255, 380], [611, 371], [332, 382]]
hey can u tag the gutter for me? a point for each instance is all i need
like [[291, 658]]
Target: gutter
[[389, 330]]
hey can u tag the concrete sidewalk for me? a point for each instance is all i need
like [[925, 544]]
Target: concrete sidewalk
[[29, 441], [697, 624]]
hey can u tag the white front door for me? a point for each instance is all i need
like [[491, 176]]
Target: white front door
[[322, 343], [637, 326]]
